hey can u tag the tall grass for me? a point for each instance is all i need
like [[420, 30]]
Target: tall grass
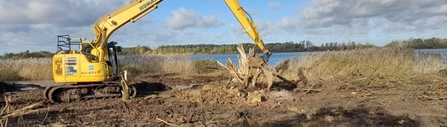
[[157, 64], [373, 63], [25, 69], [429, 62], [137, 65]]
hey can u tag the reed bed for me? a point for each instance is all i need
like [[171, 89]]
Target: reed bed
[[157, 64], [388, 63], [137, 65], [373, 63], [25, 69]]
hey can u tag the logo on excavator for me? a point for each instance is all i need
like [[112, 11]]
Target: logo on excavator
[[88, 73], [146, 4]]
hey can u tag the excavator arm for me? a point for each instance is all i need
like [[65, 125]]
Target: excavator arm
[[249, 27], [107, 24]]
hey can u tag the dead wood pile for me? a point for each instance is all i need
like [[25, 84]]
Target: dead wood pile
[[253, 69]]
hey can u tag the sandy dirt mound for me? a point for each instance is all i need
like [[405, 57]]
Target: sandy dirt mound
[[210, 94]]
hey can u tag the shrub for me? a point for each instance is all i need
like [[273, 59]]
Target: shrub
[[206, 65]]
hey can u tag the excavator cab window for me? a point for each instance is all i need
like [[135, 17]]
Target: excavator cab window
[[119, 49]]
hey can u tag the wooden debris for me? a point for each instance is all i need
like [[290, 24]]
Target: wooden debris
[[24, 111], [425, 97], [124, 84], [167, 123], [253, 69], [5, 110]]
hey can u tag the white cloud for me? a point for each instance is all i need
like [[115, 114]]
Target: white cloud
[[33, 24], [354, 13], [185, 18], [57, 12], [362, 19], [275, 5]]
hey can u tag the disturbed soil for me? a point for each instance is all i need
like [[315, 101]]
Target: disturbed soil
[[213, 101]]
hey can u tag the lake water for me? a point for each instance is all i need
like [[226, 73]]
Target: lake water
[[273, 60], [279, 56]]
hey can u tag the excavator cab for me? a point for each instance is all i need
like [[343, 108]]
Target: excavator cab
[[74, 61]]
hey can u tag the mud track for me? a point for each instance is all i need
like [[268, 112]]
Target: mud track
[[213, 102]]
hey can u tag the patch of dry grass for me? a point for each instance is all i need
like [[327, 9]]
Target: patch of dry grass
[[25, 69], [373, 63], [140, 65], [391, 64], [137, 65]]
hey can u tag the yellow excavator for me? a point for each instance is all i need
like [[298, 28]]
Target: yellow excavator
[[91, 67]]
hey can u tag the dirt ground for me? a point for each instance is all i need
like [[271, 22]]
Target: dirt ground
[[214, 102]]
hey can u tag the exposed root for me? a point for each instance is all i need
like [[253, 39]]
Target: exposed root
[[254, 69], [24, 111], [5, 110], [125, 86], [167, 123], [425, 97]]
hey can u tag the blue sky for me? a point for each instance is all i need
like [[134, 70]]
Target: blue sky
[[33, 24]]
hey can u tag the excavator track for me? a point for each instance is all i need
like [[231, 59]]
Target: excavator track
[[68, 92]]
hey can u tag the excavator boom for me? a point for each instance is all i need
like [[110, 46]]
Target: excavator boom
[[249, 27], [109, 23]]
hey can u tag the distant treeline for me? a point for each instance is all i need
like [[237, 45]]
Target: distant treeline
[[420, 43], [26, 54], [302, 46]]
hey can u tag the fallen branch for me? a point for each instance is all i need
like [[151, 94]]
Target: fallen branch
[[24, 111], [46, 115], [432, 98], [285, 80], [5, 110], [312, 90], [21, 113], [170, 124]]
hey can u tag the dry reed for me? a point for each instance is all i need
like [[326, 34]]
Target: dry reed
[[137, 65], [25, 69], [373, 63], [157, 64]]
